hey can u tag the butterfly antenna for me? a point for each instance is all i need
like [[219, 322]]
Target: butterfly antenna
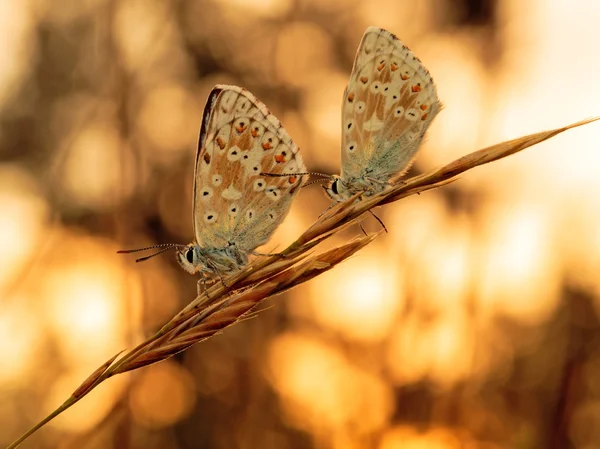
[[163, 247], [142, 259], [287, 175], [316, 181]]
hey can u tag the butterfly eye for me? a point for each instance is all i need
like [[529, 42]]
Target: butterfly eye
[[190, 255], [334, 187]]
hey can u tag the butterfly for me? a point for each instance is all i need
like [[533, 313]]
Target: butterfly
[[388, 105], [235, 209]]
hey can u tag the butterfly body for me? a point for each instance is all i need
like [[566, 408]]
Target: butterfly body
[[235, 208], [221, 261], [388, 105], [340, 190]]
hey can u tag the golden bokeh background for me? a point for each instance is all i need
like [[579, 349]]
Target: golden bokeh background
[[473, 324]]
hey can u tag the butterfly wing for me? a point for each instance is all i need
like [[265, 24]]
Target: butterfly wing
[[239, 139], [388, 105]]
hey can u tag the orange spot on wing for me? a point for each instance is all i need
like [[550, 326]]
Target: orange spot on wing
[[394, 67], [381, 66], [416, 88], [241, 128], [404, 77], [293, 179], [254, 132], [279, 158], [221, 143], [206, 158], [267, 146], [423, 107], [351, 97], [364, 79], [424, 116]]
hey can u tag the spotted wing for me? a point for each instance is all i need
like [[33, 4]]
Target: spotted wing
[[388, 105], [239, 139]]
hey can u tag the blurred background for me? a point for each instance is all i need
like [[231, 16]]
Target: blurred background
[[473, 324]]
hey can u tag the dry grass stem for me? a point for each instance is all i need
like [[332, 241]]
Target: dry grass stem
[[226, 303]]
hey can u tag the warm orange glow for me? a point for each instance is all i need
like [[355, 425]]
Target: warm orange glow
[[459, 74], [154, 40], [311, 50], [89, 177], [321, 108], [472, 323], [22, 222], [163, 396], [18, 344], [84, 310], [362, 299], [584, 430], [408, 438], [440, 351], [520, 272], [17, 44], [258, 8], [169, 119], [321, 390]]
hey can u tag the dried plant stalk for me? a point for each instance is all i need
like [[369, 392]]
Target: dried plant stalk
[[221, 305]]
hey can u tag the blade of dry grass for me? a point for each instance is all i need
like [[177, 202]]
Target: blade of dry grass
[[221, 306]]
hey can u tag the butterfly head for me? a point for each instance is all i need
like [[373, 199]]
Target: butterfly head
[[191, 258], [336, 189], [195, 259]]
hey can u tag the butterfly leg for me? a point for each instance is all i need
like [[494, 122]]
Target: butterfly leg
[[216, 271], [379, 220], [379, 181], [361, 228], [201, 285]]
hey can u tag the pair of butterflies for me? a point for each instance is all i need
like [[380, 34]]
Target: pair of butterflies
[[248, 169]]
